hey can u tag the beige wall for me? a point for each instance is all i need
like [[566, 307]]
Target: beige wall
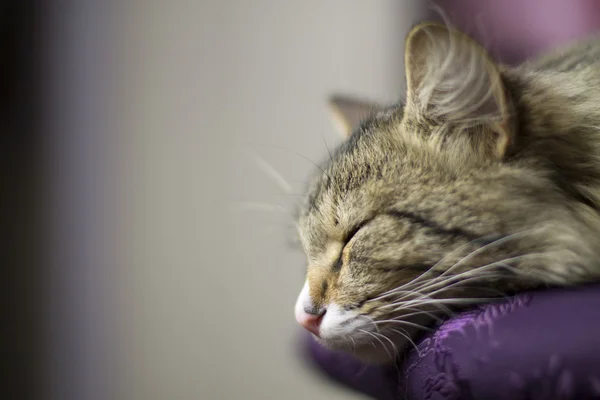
[[205, 287]]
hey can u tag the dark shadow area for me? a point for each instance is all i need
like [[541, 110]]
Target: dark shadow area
[[20, 217]]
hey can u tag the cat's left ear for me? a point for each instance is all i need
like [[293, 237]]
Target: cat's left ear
[[452, 79], [348, 112]]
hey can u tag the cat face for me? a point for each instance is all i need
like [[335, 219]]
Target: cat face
[[394, 237], [417, 212]]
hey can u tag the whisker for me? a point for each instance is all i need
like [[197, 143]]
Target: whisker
[[298, 154], [503, 263], [327, 147], [496, 242], [407, 323], [434, 266], [502, 240], [417, 311], [379, 340], [391, 293], [271, 172], [394, 305], [443, 289], [404, 288], [443, 280], [394, 347], [372, 322], [423, 298], [401, 302], [407, 337], [457, 300], [430, 301], [353, 343], [419, 301]]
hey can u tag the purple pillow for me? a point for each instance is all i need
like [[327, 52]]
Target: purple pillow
[[543, 345]]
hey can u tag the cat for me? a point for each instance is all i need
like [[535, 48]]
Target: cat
[[483, 182]]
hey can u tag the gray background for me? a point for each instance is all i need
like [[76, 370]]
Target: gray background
[[173, 274]]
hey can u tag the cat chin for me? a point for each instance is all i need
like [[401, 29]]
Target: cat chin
[[372, 348]]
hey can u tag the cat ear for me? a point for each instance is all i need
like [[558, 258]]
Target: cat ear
[[348, 112], [452, 80]]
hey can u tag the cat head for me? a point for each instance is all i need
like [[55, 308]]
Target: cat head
[[421, 210]]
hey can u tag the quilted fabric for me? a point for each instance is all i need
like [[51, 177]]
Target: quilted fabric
[[543, 345]]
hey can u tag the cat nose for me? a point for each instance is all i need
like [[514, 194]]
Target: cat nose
[[310, 321]]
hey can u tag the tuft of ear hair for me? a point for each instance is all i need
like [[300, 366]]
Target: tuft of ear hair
[[452, 81], [348, 112]]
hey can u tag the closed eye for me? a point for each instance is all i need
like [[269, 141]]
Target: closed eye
[[339, 263], [353, 232]]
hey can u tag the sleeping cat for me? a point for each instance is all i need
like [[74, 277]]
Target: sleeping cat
[[484, 183]]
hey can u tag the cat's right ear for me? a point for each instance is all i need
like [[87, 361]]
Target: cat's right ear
[[348, 112]]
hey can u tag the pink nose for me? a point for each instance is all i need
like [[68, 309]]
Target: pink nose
[[309, 321]]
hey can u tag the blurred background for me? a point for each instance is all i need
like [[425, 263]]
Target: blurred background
[[147, 237]]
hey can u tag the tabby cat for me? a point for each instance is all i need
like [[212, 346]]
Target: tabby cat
[[484, 182]]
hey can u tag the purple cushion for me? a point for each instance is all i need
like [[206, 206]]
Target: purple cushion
[[543, 345]]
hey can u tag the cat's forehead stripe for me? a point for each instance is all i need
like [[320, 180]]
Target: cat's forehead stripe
[[436, 227]]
